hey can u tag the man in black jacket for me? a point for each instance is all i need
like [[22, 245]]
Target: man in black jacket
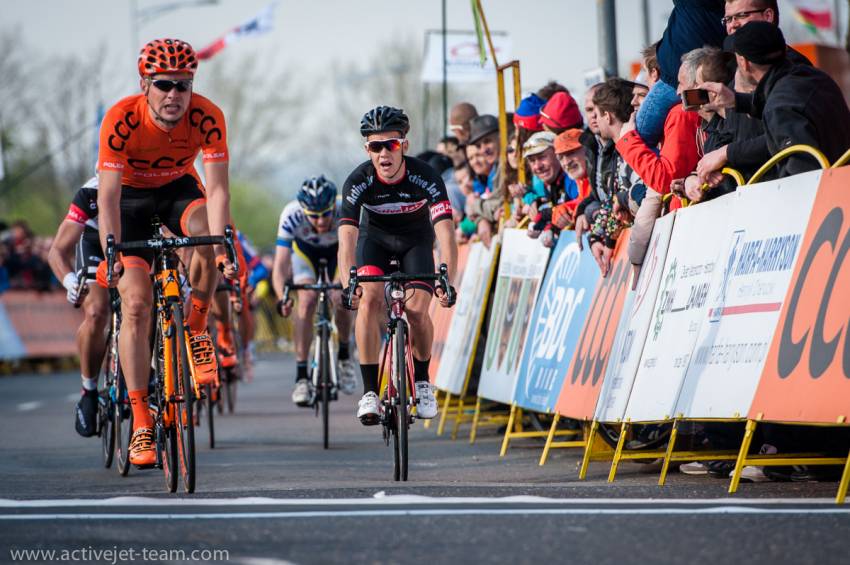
[[797, 103]]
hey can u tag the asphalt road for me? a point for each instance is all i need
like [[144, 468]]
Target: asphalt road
[[269, 493]]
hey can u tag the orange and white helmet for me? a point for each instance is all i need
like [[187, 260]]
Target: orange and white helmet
[[167, 56]]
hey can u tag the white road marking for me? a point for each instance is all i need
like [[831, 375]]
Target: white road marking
[[429, 512], [29, 406], [381, 499]]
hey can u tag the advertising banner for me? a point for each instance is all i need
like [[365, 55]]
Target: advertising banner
[[463, 61], [44, 323], [699, 232], [583, 381], [467, 318], [766, 229], [521, 267], [806, 376], [556, 324], [634, 325], [442, 317]]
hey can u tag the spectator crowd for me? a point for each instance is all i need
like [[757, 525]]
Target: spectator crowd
[[721, 88], [23, 259], [643, 146]]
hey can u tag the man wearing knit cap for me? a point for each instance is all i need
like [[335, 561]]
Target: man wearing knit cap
[[797, 103], [527, 115], [560, 114]]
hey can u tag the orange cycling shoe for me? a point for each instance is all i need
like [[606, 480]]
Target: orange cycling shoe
[[202, 358], [142, 452], [227, 356]]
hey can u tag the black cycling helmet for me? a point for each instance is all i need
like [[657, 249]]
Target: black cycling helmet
[[383, 119], [317, 194]]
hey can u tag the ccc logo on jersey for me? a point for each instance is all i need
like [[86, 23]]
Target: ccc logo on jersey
[[205, 124], [122, 130]]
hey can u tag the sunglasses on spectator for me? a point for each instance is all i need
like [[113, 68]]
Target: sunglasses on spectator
[[390, 145], [511, 149], [167, 85], [740, 16], [321, 214]]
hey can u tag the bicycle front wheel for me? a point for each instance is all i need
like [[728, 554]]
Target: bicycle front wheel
[[400, 380], [211, 402], [325, 382], [185, 402]]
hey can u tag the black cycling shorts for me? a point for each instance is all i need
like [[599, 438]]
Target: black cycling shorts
[[88, 254], [172, 203], [415, 253]]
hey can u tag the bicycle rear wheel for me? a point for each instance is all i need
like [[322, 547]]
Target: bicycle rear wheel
[[123, 424], [106, 406], [401, 412], [209, 390], [185, 402]]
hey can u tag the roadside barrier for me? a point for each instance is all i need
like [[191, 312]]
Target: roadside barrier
[[740, 314], [37, 325]]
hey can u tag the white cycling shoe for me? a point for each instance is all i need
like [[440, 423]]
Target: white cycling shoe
[[368, 410], [426, 403], [347, 377], [302, 395]]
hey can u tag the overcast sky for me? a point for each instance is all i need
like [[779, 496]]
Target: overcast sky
[[553, 39]]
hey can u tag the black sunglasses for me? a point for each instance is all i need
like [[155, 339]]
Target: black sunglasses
[[166, 85]]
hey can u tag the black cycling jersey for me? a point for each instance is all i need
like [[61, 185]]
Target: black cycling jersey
[[83, 208], [411, 205]]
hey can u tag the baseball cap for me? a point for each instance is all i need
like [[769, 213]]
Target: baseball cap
[[538, 143], [568, 141], [560, 111]]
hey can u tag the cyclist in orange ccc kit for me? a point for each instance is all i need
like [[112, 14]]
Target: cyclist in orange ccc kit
[[148, 145]]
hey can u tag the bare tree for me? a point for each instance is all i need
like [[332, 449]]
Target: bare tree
[[262, 111]]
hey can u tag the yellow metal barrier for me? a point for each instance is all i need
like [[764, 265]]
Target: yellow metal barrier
[[784, 154], [843, 160]]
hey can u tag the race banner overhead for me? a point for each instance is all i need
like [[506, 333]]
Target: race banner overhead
[[521, 267], [767, 226], [556, 324], [463, 61], [467, 319], [698, 234], [634, 324], [584, 377], [806, 376]]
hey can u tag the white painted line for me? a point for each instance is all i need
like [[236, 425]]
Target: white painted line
[[402, 499], [29, 406], [430, 512]]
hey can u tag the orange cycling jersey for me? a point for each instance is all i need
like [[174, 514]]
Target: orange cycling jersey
[[149, 156]]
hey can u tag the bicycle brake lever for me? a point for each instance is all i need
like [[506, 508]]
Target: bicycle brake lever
[[110, 257]]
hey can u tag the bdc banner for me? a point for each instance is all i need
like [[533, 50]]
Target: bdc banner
[[752, 276], [634, 323], [442, 317], [583, 380], [698, 234], [521, 267], [556, 324], [467, 318], [806, 377]]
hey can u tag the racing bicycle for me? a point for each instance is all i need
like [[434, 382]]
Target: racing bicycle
[[174, 388], [399, 395]]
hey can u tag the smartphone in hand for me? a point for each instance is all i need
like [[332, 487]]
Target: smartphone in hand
[[693, 98]]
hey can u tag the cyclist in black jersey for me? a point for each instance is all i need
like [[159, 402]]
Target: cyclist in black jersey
[[74, 254], [394, 206]]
